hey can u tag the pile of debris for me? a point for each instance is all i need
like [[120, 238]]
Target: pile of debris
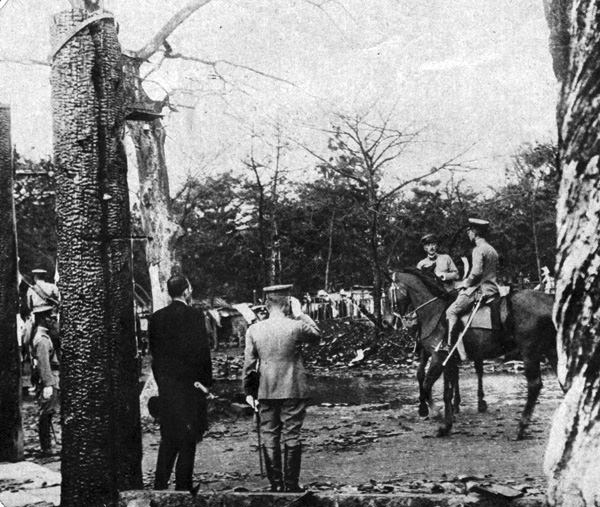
[[348, 342]]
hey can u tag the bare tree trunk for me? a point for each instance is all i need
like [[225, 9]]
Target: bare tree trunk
[[572, 463], [11, 429], [145, 147], [99, 405], [375, 264], [329, 251]]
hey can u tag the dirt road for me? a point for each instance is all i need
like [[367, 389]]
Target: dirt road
[[380, 444]]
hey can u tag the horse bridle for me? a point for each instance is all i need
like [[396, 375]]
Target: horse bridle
[[404, 317]]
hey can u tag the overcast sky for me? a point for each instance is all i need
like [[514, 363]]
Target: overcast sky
[[470, 73]]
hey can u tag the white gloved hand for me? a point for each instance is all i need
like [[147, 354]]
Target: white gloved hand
[[295, 307], [47, 392], [252, 402]]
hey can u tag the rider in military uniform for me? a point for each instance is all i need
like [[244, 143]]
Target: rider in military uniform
[[46, 364], [273, 349], [439, 264], [481, 282]]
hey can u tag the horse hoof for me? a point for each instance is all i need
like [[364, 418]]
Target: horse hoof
[[482, 407], [423, 410]]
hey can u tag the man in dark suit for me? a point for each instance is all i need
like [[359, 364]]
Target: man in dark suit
[[273, 348], [180, 358]]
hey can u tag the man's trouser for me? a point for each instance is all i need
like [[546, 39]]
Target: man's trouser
[[182, 413], [461, 305], [47, 408], [282, 420], [169, 450]]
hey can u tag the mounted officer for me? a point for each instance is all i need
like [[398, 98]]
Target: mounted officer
[[438, 264], [273, 350], [481, 282]]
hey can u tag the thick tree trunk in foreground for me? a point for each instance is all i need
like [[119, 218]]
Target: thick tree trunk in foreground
[[100, 414], [572, 463], [145, 146], [11, 429]]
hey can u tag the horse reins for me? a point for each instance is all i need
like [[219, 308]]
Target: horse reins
[[402, 317]]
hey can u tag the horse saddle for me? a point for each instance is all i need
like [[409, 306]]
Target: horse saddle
[[491, 312]]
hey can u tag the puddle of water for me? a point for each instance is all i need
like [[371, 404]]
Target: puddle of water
[[335, 390]]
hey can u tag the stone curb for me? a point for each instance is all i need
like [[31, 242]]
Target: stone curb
[[318, 499]]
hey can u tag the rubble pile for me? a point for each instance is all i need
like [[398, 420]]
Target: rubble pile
[[348, 342]]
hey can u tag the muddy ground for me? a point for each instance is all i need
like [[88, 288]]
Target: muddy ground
[[378, 444]]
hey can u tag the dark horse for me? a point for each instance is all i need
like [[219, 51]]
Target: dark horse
[[527, 327]]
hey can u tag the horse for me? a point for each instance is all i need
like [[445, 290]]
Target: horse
[[527, 327]]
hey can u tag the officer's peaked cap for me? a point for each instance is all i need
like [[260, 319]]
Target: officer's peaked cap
[[278, 289], [479, 224], [429, 238]]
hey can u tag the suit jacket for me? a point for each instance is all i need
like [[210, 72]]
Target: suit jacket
[[274, 344], [180, 356], [179, 345]]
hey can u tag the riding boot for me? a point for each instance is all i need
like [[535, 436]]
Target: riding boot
[[44, 429], [272, 457], [291, 470]]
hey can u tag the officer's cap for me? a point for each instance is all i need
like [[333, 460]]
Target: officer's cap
[[42, 308], [39, 271], [478, 224], [280, 290], [429, 238]]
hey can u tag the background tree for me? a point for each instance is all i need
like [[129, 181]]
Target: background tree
[[526, 208], [362, 151], [571, 456]]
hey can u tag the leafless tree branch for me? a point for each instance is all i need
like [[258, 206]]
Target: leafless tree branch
[[156, 42]]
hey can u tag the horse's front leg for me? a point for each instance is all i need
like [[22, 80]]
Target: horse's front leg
[[434, 372], [481, 403], [423, 398], [534, 385], [456, 397], [450, 382]]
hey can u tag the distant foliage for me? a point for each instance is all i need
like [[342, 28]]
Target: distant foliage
[[222, 242]]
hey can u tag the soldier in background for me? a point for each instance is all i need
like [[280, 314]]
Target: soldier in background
[[45, 355], [273, 350]]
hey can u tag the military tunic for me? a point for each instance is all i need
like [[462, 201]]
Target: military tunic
[[481, 282], [274, 344]]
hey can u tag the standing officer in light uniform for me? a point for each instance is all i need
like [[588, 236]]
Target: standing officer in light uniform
[[273, 349]]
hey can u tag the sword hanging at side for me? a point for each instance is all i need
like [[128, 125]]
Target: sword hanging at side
[[464, 331]]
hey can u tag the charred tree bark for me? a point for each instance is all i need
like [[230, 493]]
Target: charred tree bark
[[11, 429], [100, 414], [145, 146], [572, 462]]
